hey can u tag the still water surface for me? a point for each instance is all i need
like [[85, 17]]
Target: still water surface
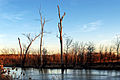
[[69, 74]]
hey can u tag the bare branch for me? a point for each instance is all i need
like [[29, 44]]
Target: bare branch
[[28, 37], [63, 16], [43, 22], [58, 11], [20, 46], [23, 62], [59, 27], [35, 37], [57, 36], [41, 19]]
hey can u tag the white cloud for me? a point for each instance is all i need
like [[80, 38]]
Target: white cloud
[[12, 17], [91, 26]]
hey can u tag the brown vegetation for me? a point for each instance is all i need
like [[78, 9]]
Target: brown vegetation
[[52, 61]]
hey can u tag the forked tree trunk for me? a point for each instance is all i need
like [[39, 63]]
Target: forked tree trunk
[[31, 41], [60, 31]]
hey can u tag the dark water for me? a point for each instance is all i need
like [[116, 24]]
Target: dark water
[[69, 74]]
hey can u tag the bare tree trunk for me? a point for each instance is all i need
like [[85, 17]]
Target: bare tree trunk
[[41, 50], [117, 52], [60, 31], [61, 43], [42, 27], [20, 50], [23, 61]]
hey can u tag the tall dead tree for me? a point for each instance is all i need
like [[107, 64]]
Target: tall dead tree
[[31, 40], [60, 31], [41, 38], [20, 49]]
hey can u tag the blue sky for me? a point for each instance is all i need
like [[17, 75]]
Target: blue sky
[[85, 20]]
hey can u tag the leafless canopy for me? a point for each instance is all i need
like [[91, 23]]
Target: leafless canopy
[[31, 40], [68, 44], [61, 18]]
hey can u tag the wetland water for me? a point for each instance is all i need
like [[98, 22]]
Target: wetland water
[[69, 74]]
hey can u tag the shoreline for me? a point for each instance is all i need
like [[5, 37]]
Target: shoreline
[[77, 67]]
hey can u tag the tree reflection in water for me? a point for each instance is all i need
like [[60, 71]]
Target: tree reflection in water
[[69, 74]]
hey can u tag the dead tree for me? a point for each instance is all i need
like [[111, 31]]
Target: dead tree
[[5, 51], [91, 49], [100, 51], [68, 44], [105, 56], [12, 51], [31, 40], [60, 31], [41, 38], [117, 43], [110, 53], [75, 51], [82, 52], [20, 49]]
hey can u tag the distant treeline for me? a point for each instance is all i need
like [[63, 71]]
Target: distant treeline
[[70, 60]]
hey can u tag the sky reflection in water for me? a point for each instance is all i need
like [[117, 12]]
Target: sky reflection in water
[[69, 74]]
